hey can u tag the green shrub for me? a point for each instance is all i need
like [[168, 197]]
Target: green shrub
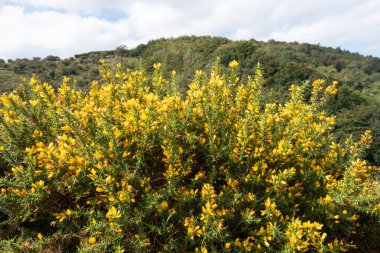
[[134, 166]]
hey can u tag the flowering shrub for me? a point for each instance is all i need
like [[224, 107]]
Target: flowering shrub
[[135, 166]]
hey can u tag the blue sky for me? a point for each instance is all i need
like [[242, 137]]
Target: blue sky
[[37, 28]]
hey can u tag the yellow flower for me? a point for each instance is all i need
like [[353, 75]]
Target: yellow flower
[[66, 128], [92, 240], [37, 133], [250, 197], [199, 175], [125, 154], [164, 205], [117, 132], [39, 184], [98, 154], [109, 180], [5, 99], [157, 65], [353, 218], [99, 189], [40, 236], [233, 64], [113, 213], [207, 190], [122, 197]]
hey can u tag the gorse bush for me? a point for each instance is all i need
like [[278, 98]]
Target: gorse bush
[[133, 165]]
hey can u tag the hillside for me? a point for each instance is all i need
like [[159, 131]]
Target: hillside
[[356, 106]]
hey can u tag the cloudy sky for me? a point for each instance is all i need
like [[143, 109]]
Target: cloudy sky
[[37, 28]]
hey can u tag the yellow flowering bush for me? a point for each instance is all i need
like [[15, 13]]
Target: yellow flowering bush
[[133, 165]]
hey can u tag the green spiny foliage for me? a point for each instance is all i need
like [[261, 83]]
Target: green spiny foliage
[[133, 165]]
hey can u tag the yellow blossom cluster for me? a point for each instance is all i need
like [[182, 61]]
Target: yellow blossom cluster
[[137, 166]]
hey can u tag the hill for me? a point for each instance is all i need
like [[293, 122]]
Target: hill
[[356, 106]]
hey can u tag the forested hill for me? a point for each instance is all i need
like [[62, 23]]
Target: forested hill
[[357, 105]]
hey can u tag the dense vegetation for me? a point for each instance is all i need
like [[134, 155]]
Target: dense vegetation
[[356, 106], [134, 165]]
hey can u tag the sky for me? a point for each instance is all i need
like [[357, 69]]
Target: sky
[[38, 28]]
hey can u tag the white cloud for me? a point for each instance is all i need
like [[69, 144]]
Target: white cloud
[[357, 29], [42, 27], [76, 6], [48, 32]]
